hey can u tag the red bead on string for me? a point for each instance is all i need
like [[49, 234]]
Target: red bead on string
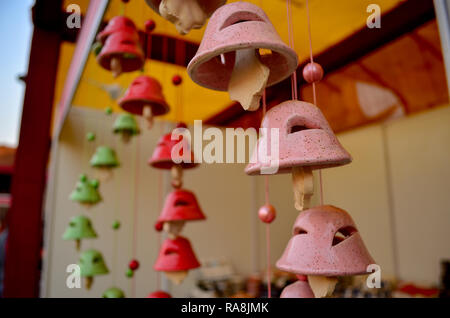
[[267, 213], [313, 73], [150, 25], [133, 265], [177, 80]]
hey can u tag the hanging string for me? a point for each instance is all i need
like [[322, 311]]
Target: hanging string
[[311, 57], [135, 210], [267, 202], [294, 91], [160, 206]]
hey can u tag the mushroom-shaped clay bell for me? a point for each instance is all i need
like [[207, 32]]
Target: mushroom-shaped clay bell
[[113, 292], [176, 257], [296, 137], [185, 14], [92, 264], [299, 289], [121, 53], [180, 206], [181, 158], [126, 126], [242, 53], [144, 97], [104, 160], [159, 294], [116, 25], [86, 191], [325, 243], [80, 227]]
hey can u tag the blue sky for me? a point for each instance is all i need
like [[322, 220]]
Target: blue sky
[[15, 33]]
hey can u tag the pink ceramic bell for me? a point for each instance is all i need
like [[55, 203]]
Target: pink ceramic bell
[[118, 24], [121, 53], [325, 242], [181, 205], [186, 14], [299, 289], [305, 139], [145, 97], [233, 38]]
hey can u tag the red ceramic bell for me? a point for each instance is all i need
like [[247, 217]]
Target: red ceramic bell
[[325, 242], [181, 205], [235, 27], [159, 294], [305, 140], [176, 255], [145, 97], [121, 53], [118, 24], [299, 289], [162, 155]]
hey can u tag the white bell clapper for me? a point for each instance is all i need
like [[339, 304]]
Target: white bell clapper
[[148, 115], [184, 14], [248, 79], [176, 277], [322, 286], [116, 67], [173, 228], [177, 176], [303, 186]]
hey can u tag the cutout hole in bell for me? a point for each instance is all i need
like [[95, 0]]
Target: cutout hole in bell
[[127, 42], [181, 203], [241, 17], [297, 128], [300, 231], [170, 251], [342, 234]]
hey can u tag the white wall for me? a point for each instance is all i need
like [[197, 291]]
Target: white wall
[[404, 228]]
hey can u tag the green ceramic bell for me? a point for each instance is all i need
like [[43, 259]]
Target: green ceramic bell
[[127, 126], [113, 292], [80, 227], [86, 191], [104, 157], [92, 264]]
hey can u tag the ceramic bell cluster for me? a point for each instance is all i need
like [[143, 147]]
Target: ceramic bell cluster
[[241, 53], [185, 14], [176, 256], [120, 48], [145, 98]]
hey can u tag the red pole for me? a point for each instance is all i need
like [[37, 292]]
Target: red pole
[[22, 267]]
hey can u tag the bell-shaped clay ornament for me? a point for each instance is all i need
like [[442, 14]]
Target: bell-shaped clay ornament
[[299, 289], [325, 242], [185, 14], [176, 257], [80, 227], [121, 53], [92, 264], [159, 294], [296, 138], [86, 191], [229, 58], [113, 292], [116, 25], [180, 206], [144, 97], [126, 126], [104, 159]]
